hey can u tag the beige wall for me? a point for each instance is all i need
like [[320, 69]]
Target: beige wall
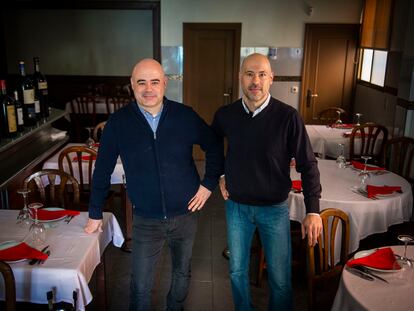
[[279, 23]]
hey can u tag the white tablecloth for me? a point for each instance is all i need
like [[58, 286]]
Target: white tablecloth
[[116, 177], [74, 256], [355, 293], [366, 216], [325, 140]]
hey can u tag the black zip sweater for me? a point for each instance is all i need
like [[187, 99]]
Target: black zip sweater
[[259, 151], [160, 172]]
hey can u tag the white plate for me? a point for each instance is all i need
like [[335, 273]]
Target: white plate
[[366, 253], [376, 168], [53, 209], [8, 244]]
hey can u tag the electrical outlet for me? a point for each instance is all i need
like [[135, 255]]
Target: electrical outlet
[[294, 89]]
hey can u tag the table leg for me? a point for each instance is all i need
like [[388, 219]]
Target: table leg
[[101, 285]]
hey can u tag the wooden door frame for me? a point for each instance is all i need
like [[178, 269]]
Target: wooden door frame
[[306, 63], [236, 27]]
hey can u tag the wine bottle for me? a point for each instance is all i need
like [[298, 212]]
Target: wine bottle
[[7, 112], [27, 93], [19, 112], [41, 92]]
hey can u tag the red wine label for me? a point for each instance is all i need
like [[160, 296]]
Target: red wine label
[[37, 106], [28, 96], [11, 118], [20, 116], [42, 85]]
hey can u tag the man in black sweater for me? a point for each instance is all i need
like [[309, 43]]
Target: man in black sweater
[[263, 135]]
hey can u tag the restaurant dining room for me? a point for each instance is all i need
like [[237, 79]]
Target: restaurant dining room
[[70, 81]]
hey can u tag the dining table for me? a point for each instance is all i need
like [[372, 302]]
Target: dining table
[[74, 256], [397, 293], [117, 178], [367, 216]]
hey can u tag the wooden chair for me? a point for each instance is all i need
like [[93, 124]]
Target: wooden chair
[[368, 139], [10, 286], [83, 114], [97, 131], [330, 115], [321, 258], [43, 186], [399, 156], [113, 103]]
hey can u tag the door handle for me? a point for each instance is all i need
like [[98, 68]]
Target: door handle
[[227, 96], [309, 96]]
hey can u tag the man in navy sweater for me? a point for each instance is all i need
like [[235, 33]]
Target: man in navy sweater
[[154, 138], [263, 135]]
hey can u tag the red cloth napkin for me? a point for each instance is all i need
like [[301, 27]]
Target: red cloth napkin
[[96, 145], [383, 259], [297, 185], [360, 166], [43, 214], [21, 251], [348, 134], [343, 126], [375, 190], [84, 158]]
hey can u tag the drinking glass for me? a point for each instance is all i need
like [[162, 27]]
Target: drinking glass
[[340, 160], [89, 142], [23, 219], [358, 119], [338, 121], [405, 238], [37, 229], [364, 175]]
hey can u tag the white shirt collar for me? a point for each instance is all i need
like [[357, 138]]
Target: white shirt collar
[[258, 110]]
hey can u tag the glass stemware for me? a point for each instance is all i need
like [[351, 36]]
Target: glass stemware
[[23, 219], [89, 142], [405, 238], [340, 160], [364, 175], [37, 229], [338, 121], [358, 119]]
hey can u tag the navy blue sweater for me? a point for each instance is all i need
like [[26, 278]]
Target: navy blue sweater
[[259, 152], [159, 168]]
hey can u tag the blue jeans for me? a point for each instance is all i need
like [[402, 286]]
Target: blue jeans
[[149, 236], [274, 230]]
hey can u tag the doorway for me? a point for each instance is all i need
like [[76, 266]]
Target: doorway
[[211, 67], [329, 69]]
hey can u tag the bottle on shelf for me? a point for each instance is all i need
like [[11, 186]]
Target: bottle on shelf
[[8, 118], [19, 112], [41, 90], [27, 94]]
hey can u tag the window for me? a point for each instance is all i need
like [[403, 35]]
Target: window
[[372, 66]]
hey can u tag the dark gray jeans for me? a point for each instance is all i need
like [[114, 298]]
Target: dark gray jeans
[[149, 236]]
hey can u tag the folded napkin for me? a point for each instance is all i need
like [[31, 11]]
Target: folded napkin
[[343, 125], [360, 166], [96, 145], [43, 214], [382, 258], [348, 134], [375, 190], [21, 251], [297, 185], [84, 158]]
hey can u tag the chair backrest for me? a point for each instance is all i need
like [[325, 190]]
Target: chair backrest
[[52, 191], [368, 139], [97, 131], [10, 286], [331, 115], [322, 257], [83, 114], [113, 103], [78, 161], [399, 156]]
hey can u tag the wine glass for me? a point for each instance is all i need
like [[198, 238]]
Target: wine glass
[[89, 142], [405, 238], [23, 219], [338, 121], [364, 175], [358, 119], [37, 229], [340, 160]]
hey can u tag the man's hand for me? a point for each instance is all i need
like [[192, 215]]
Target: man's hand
[[312, 226], [93, 225], [197, 202], [222, 185]]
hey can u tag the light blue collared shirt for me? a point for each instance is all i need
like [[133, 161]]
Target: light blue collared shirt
[[152, 120], [258, 110]]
